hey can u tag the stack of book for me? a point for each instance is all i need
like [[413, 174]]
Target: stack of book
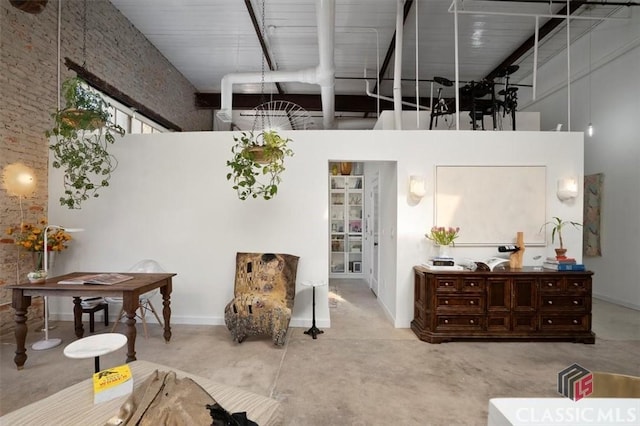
[[562, 264], [442, 263]]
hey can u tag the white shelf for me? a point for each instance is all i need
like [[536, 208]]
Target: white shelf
[[346, 224]]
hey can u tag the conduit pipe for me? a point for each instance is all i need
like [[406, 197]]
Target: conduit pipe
[[386, 98], [397, 69], [323, 74]]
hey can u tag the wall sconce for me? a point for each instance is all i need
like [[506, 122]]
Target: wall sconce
[[567, 188], [417, 187], [18, 179]]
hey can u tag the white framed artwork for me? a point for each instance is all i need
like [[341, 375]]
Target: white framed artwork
[[491, 204]]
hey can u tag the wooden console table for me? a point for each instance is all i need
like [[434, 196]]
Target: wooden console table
[[520, 304], [130, 292]]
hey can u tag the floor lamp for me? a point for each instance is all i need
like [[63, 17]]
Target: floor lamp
[[47, 343]]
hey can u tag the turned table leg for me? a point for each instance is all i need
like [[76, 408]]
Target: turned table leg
[[21, 304], [77, 317], [166, 310], [130, 304]]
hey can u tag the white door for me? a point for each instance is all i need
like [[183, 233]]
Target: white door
[[373, 225]]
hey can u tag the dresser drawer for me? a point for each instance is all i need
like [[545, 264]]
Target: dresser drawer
[[565, 322], [550, 285], [446, 284], [577, 285], [461, 304], [459, 322], [564, 303], [472, 285]]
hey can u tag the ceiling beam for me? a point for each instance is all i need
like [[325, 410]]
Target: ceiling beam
[[263, 44], [544, 30], [115, 93]]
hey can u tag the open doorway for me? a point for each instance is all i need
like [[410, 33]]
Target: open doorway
[[362, 226]]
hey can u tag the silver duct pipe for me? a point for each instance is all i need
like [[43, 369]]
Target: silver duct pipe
[[397, 70], [323, 74]]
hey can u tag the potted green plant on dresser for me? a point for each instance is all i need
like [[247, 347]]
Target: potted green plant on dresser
[[557, 225]]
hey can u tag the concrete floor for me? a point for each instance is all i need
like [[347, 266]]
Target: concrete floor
[[361, 371]]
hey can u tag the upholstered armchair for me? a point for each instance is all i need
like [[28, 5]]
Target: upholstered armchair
[[265, 286]]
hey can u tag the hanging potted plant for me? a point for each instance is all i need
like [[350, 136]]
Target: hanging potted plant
[[257, 163], [558, 224], [83, 131]]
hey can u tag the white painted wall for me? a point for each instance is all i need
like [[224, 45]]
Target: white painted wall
[[613, 91], [169, 200]]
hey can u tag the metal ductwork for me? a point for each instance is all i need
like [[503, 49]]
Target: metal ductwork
[[323, 74]]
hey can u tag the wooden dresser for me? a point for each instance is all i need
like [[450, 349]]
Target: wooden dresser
[[523, 304]]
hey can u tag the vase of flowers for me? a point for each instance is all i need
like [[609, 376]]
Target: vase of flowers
[[30, 237], [443, 237]]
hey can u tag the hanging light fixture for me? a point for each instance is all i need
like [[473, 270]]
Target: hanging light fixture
[[590, 126]]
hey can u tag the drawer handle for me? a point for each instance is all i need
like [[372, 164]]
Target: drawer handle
[[549, 322], [471, 322], [576, 284], [446, 284], [550, 302], [575, 302], [575, 321], [550, 284], [471, 302], [446, 302], [472, 284], [446, 321]]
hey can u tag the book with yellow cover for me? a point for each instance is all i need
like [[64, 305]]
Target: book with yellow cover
[[112, 383]]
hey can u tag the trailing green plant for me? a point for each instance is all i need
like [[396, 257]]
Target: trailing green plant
[[256, 157], [558, 224], [83, 131]]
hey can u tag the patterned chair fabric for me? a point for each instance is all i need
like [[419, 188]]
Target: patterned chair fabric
[[265, 287]]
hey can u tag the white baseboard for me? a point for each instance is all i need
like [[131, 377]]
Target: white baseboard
[[190, 320], [617, 302]]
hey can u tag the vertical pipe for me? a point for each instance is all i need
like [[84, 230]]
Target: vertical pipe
[[431, 98], [457, 85], [417, 74], [397, 70], [58, 64], [325, 10], [535, 58], [568, 70], [377, 71]]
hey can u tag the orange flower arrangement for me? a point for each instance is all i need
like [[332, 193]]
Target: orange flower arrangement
[[31, 237]]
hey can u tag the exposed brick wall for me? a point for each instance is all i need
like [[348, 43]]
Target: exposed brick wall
[[116, 52]]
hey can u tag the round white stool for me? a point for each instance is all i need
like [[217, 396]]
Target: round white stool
[[313, 331], [94, 346]]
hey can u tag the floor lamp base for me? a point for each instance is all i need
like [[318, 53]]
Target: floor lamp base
[[42, 345]]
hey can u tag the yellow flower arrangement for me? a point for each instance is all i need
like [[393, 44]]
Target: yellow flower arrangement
[[30, 236]]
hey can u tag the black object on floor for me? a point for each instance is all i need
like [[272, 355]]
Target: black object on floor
[[91, 311], [314, 331]]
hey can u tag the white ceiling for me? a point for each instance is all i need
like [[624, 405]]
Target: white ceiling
[[206, 39]]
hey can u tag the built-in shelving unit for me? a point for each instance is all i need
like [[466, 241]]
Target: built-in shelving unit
[[346, 213]]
